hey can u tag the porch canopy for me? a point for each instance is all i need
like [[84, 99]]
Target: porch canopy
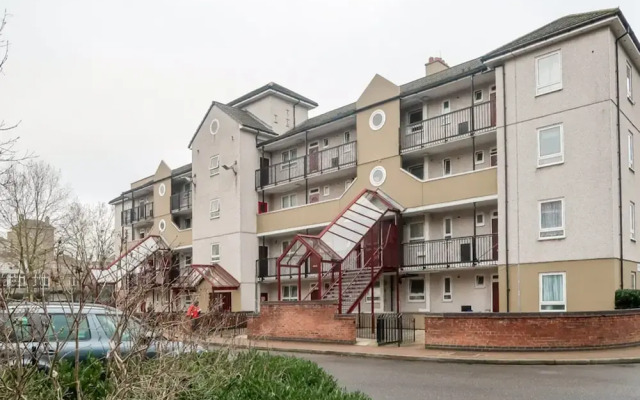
[[218, 277]]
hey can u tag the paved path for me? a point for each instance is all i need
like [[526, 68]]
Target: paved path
[[395, 380]]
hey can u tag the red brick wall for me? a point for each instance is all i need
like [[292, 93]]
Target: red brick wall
[[532, 331], [314, 321]]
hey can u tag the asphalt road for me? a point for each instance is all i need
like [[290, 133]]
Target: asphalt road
[[399, 380]]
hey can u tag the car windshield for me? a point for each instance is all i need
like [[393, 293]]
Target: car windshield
[[64, 327], [128, 327]]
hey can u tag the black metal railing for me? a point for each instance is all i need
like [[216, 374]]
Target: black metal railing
[[446, 127], [317, 163], [386, 328], [181, 201], [138, 213], [443, 253]]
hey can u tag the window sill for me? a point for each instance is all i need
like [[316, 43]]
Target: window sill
[[416, 301], [447, 301], [542, 92], [550, 164], [631, 100], [480, 287], [554, 311], [632, 170], [542, 239], [633, 239]]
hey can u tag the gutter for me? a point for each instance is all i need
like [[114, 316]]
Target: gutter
[[620, 233], [506, 184]]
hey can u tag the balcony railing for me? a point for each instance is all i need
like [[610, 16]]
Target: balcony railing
[[139, 213], [181, 201], [312, 164], [266, 268], [447, 127], [445, 253]]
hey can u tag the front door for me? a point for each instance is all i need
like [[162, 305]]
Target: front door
[[313, 157], [264, 297], [492, 104], [263, 262], [495, 296], [264, 171], [494, 237]]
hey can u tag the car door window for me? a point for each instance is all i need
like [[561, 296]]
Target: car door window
[[62, 328], [111, 323]]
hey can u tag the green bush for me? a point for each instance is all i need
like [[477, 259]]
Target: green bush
[[627, 298], [215, 375]]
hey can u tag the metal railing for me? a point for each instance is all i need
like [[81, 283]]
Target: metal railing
[[442, 253], [266, 268], [320, 162], [447, 127], [181, 201], [138, 213], [386, 328]]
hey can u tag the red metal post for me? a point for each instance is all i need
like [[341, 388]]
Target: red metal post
[[320, 281], [299, 282], [339, 288], [278, 278]]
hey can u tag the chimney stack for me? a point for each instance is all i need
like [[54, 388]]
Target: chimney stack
[[435, 64]]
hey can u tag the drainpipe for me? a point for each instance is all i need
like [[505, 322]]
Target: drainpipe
[[506, 184], [294, 113], [620, 234]]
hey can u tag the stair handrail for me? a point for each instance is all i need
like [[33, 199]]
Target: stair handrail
[[334, 266]]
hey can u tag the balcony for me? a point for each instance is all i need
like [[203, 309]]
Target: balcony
[[470, 251], [141, 213], [181, 202], [310, 165], [449, 127]]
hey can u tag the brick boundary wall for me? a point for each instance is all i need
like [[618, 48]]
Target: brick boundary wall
[[307, 321], [533, 331]]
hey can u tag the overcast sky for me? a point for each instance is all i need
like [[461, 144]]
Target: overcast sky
[[104, 89]]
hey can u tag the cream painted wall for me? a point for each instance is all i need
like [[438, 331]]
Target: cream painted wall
[[278, 113], [463, 291], [461, 161]]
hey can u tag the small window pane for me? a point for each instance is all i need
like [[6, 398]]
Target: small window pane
[[550, 141], [551, 214], [416, 230], [549, 73], [552, 292]]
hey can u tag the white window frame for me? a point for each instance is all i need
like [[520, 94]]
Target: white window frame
[[444, 228], [346, 137], [289, 296], [214, 209], [289, 196], [493, 152], [446, 119], [417, 238], [326, 190], [553, 303], [629, 82], [483, 219], [632, 221], [417, 297], [541, 159], [560, 228], [214, 165], [475, 100], [215, 248], [634, 282], [446, 299], [630, 149], [292, 154], [444, 167], [475, 157], [484, 281], [325, 143], [552, 87]]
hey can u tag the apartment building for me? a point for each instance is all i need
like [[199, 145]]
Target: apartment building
[[505, 183]]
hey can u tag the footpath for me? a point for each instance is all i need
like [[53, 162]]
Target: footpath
[[417, 352]]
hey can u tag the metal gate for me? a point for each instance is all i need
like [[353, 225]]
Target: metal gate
[[386, 328]]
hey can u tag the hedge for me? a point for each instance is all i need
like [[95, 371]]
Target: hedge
[[627, 298]]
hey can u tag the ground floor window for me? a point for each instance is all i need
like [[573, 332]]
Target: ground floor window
[[553, 291], [447, 293], [290, 293], [633, 280], [376, 293], [416, 290]]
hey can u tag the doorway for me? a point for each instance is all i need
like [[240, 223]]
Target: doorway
[[495, 294], [492, 105], [494, 235], [313, 157], [264, 171], [263, 261]]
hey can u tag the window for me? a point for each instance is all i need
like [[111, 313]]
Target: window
[[215, 252], [633, 280], [630, 150], [214, 209], [493, 157], [550, 145], [42, 281], [553, 292], [185, 223], [446, 166], [376, 293], [187, 260], [142, 233], [551, 219], [347, 184], [22, 281], [446, 109], [447, 293], [479, 159], [479, 284], [275, 118], [285, 244], [290, 293], [110, 325], [416, 231], [62, 328], [416, 290], [347, 137], [326, 190], [417, 170], [632, 220], [325, 142], [414, 116], [480, 219], [548, 73], [477, 96], [629, 82], [288, 157], [214, 165], [448, 228], [289, 200]]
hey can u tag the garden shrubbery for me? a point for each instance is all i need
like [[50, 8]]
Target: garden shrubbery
[[627, 298], [215, 375]]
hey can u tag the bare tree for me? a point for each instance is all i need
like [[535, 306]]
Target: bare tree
[[32, 204]]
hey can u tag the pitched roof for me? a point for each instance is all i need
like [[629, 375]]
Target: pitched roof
[[559, 26], [181, 170], [241, 116], [277, 88], [439, 78]]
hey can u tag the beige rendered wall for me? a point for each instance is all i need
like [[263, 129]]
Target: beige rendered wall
[[461, 161]]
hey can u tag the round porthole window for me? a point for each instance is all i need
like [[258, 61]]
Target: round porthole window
[[162, 189], [162, 225], [377, 120], [213, 128], [377, 176]]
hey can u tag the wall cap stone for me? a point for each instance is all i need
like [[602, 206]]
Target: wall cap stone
[[516, 315]]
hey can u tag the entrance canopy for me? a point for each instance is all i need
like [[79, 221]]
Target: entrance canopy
[[218, 277]]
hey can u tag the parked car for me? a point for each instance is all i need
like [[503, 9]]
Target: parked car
[[91, 330], [22, 340]]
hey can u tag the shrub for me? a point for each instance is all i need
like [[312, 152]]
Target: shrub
[[627, 298]]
